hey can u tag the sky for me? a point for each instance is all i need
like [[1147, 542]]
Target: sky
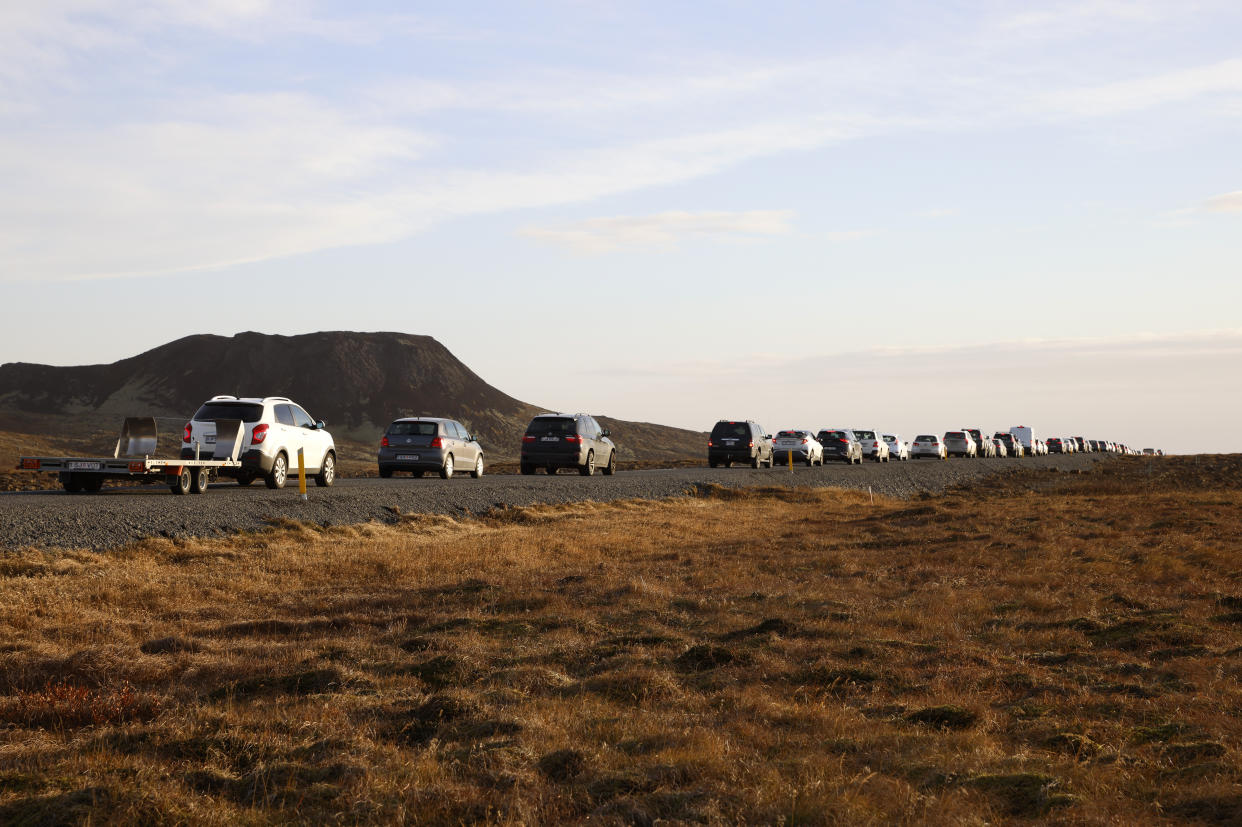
[[896, 215]]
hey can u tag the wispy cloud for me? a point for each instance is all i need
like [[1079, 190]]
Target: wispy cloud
[[1150, 91], [1228, 202], [596, 235]]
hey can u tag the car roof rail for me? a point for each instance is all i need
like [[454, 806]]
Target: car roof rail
[[277, 399], [221, 396]]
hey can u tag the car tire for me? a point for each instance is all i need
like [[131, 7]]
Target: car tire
[[526, 470], [385, 473], [279, 475], [244, 479], [611, 467], [478, 466], [446, 470], [551, 470], [327, 471], [757, 461], [588, 468], [711, 463]]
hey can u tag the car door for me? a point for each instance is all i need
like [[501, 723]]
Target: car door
[[310, 439], [467, 452], [287, 436]]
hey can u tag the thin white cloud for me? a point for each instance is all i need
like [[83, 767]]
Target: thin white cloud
[[1146, 92], [597, 235], [1228, 202]]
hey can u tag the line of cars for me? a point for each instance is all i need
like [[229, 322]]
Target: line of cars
[[278, 431]]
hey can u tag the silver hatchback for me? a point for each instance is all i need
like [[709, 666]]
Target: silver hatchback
[[421, 444]]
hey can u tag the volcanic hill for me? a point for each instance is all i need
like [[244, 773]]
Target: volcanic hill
[[356, 382]]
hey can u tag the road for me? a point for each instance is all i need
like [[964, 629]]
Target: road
[[116, 516]]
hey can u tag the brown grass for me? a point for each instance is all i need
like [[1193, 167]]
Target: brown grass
[[1051, 646]]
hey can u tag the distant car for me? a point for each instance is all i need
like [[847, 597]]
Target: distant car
[[840, 443], [873, 445], [1012, 444], [960, 444], [1041, 448], [739, 440], [1149, 452], [800, 445], [897, 449], [276, 428], [928, 445], [555, 441], [998, 448], [424, 443], [1083, 445], [1055, 446], [983, 447]]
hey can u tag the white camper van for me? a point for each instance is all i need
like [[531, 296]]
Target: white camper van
[[1026, 436]]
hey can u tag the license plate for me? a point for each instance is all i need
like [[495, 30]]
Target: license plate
[[551, 439], [408, 457], [730, 442], [84, 466], [209, 439]]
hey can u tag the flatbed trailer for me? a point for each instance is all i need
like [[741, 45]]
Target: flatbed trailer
[[131, 459]]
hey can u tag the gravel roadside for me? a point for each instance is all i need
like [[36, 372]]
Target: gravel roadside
[[116, 516]]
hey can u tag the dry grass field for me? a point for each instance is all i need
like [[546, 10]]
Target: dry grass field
[[1050, 646]]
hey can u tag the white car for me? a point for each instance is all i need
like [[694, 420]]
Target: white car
[[897, 448], [873, 444], [928, 445], [275, 428], [960, 443], [998, 448], [798, 443]]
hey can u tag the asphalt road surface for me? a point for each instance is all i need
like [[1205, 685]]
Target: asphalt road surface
[[116, 516]]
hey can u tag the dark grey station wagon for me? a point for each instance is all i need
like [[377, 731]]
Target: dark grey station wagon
[[424, 443]]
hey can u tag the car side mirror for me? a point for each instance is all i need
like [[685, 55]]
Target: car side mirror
[[605, 432], [320, 425]]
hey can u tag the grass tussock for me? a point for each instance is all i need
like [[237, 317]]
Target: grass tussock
[[1048, 647]]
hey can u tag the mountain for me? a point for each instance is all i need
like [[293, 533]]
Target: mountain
[[356, 382]]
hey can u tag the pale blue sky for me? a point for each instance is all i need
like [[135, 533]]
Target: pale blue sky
[[990, 211]]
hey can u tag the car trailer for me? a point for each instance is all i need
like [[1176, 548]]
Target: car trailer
[[131, 459]]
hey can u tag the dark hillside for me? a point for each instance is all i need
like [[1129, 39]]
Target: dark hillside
[[356, 382]]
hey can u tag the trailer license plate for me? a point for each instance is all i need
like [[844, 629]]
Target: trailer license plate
[[84, 466], [209, 439], [408, 457]]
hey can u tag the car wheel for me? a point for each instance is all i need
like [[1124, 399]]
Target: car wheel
[[611, 467], [478, 466], [728, 463], [711, 463], [245, 479], [526, 469], [327, 473], [757, 461], [551, 470], [446, 470], [385, 473], [589, 468], [276, 478]]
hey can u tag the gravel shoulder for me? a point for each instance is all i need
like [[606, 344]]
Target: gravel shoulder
[[117, 516]]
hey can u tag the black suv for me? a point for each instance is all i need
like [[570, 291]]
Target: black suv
[[555, 441], [841, 444], [739, 441]]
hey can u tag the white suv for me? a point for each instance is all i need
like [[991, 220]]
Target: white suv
[[275, 428]]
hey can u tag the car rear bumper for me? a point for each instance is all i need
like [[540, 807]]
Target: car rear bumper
[[731, 454], [428, 459], [557, 459]]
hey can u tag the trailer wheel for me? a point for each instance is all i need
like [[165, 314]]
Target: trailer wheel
[[181, 483], [92, 484], [201, 477], [72, 483], [245, 479]]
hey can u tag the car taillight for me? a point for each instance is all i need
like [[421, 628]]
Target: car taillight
[[527, 438], [258, 434], [189, 432], [804, 442], [574, 439], [384, 441], [436, 442], [750, 444], [843, 441], [710, 443]]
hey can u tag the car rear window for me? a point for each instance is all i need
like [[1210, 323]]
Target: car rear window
[[926, 438], [731, 429], [245, 411], [413, 428], [865, 434], [791, 434], [955, 435], [551, 425], [832, 435]]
